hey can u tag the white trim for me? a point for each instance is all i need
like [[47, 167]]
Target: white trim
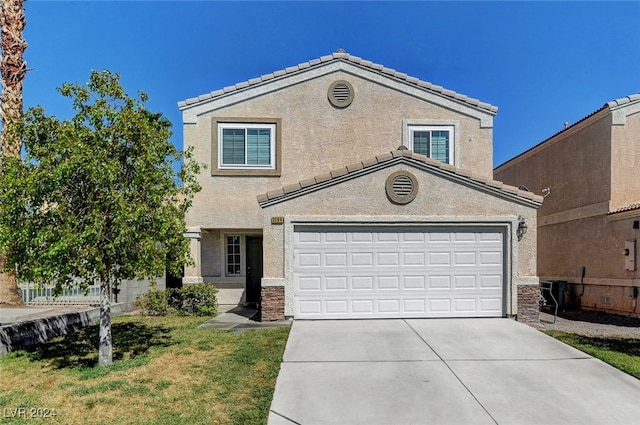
[[226, 255], [244, 126], [409, 126]]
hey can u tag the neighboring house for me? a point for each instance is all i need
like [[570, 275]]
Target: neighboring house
[[339, 188], [588, 227]]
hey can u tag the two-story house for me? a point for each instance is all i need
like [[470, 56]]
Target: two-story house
[[589, 225], [339, 188]]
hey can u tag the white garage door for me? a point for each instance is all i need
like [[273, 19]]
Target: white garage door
[[386, 272]]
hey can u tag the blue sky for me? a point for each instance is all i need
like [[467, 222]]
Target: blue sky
[[541, 63]]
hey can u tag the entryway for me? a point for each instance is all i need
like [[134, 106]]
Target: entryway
[[254, 268]]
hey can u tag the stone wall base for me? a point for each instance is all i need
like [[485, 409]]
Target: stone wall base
[[528, 303], [272, 304]]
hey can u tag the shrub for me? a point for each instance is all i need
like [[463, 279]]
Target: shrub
[[190, 300], [153, 303], [194, 300]]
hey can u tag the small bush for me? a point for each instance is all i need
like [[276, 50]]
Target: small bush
[[153, 303], [194, 300], [190, 300]]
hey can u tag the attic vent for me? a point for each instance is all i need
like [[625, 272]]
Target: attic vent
[[401, 187], [340, 94]]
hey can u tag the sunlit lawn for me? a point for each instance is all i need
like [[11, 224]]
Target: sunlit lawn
[[622, 353], [167, 371]]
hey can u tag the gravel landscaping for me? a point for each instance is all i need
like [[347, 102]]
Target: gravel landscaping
[[591, 323]]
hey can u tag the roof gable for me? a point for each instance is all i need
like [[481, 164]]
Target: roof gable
[[389, 159], [339, 61], [619, 108]]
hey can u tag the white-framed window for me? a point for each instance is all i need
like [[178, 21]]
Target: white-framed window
[[436, 141], [246, 146], [233, 255]]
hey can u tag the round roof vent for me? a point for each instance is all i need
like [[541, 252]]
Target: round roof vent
[[340, 94], [401, 187]]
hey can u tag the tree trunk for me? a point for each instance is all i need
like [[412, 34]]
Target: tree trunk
[[13, 69], [9, 291], [105, 350]]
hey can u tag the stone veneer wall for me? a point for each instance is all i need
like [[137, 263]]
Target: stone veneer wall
[[272, 304], [528, 303]]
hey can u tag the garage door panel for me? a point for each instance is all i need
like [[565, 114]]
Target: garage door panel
[[362, 283], [336, 283], [307, 237], [413, 237], [362, 259], [465, 305], [335, 259], [439, 258], [490, 258], [309, 260], [490, 281], [361, 237], [414, 305], [398, 272], [464, 281], [463, 237], [417, 283], [439, 282], [414, 259], [388, 282], [465, 259], [435, 237], [309, 283], [490, 304], [440, 305], [309, 307], [388, 259]]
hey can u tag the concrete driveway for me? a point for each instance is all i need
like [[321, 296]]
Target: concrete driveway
[[444, 371]]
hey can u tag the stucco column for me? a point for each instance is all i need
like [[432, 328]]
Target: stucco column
[[193, 274]]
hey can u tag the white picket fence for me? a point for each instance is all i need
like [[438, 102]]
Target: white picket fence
[[45, 295]]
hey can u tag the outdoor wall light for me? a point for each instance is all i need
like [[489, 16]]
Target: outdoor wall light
[[522, 227]]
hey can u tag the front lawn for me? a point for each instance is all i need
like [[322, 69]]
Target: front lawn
[[166, 371], [622, 353]]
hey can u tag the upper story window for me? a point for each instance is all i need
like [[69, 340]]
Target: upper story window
[[431, 138], [246, 146]]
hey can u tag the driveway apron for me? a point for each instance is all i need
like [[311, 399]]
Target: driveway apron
[[444, 371]]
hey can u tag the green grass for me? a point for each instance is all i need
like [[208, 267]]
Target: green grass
[[622, 353], [166, 371]]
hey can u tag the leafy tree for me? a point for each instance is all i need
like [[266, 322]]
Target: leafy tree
[[96, 197], [13, 69]]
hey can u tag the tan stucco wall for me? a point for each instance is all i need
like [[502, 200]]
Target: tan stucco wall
[[625, 162], [364, 200], [575, 165], [590, 170], [596, 243], [316, 138]]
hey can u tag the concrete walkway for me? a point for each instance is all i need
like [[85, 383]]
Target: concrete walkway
[[444, 371], [238, 318]]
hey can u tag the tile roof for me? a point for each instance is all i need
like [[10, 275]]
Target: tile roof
[[611, 104], [634, 206], [391, 158], [341, 55]]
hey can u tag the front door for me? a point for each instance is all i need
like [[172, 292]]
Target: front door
[[254, 268]]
